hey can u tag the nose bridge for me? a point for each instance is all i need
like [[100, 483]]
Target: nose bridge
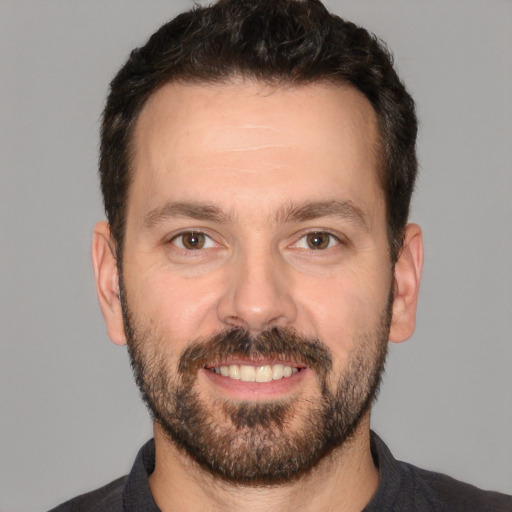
[[258, 295]]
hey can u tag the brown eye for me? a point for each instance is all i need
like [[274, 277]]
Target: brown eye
[[191, 240], [318, 240]]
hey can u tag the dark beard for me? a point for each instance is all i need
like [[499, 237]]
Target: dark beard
[[254, 443]]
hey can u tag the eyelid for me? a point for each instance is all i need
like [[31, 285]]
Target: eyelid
[[338, 238], [177, 236]]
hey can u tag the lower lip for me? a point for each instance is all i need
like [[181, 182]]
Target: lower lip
[[241, 390]]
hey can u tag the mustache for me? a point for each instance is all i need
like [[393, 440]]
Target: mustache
[[275, 343]]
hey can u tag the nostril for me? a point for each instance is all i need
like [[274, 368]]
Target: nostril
[[236, 321]]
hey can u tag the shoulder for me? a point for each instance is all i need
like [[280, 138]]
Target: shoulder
[[443, 492], [106, 499], [404, 487]]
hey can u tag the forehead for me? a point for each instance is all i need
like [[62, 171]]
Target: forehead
[[247, 138]]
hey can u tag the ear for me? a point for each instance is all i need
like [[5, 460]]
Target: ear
[[107, 281], [407, 276]]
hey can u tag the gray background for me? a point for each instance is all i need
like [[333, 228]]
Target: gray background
[[70, 416]]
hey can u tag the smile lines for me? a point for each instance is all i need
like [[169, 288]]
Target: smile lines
[[247, 373]]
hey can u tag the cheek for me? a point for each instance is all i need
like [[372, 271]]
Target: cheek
[[179, 308], [341, 309]]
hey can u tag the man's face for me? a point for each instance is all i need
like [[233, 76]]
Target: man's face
[[256, 247]]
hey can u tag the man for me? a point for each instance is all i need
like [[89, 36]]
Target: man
[[257, 164]]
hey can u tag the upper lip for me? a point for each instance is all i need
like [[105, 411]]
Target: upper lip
[[254, 362]]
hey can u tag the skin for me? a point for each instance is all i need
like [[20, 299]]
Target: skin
[[254, 153]]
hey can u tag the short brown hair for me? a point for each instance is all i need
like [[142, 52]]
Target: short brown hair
[[279, 42]]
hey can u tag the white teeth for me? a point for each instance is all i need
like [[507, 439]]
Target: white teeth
[[234, 372], [264, 373], [277, 372], [246, 373]]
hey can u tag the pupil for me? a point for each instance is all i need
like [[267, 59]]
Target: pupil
[[318, 241], [194, 240]]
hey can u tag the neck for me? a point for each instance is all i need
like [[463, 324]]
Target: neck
[[344, 481]]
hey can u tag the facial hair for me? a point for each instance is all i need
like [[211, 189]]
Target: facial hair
[[257, 443]]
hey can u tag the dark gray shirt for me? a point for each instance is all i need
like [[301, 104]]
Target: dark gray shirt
[[402, 488]]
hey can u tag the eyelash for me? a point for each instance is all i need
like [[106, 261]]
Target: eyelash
[[332, 241], [198, 235], [302, 243]]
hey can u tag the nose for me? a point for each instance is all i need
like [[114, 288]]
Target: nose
[[258, 294]]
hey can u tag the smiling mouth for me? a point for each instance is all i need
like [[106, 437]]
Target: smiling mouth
[[251, 373]]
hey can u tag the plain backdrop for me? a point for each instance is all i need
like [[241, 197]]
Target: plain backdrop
[[70, 416]]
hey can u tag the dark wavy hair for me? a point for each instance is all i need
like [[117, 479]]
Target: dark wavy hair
[[292, 42]]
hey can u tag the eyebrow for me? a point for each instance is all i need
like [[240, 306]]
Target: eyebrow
[[315, 209], [171, 210]]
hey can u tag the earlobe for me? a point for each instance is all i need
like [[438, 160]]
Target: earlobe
[[407, 277], [107, 282]]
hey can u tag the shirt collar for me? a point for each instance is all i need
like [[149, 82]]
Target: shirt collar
[[137, 492]]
